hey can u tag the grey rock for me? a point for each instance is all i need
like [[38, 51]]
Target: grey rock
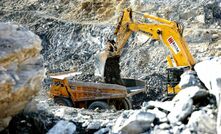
[[193, 92], [94, 125], [74, 44], [164, 126], [189, 78], [63, 127], [159, 114], [201, 121], [181, 110]]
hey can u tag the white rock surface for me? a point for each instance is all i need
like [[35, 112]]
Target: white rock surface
[[190, 93], [209, 72], [202, 122], [181, 110]]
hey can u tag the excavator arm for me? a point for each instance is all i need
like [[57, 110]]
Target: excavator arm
[[169, 32]]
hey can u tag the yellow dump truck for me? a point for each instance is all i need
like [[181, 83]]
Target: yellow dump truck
[[91, 95]]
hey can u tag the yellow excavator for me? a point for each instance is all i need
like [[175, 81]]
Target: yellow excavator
[[169, 32]]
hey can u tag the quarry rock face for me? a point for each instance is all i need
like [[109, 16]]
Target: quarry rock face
[[21, 69], [72, 31]]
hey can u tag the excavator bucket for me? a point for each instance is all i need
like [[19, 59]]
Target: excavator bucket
[[108, 67], [101, 58], [100, 61]]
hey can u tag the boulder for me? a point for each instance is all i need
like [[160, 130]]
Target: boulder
[[136, 123], [209, 73], [189, 78], [63, 127], [193, 92], [21, 70], [162, 116], [181, 110]]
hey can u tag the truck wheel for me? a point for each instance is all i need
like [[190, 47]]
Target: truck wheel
[[63, 101], [124, 104], [99, 104]]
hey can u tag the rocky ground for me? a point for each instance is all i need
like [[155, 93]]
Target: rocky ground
[[72, 31]]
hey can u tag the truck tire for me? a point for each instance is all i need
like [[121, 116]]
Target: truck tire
[[124, 104], [99, 104], [120, 104], [63, 101]]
